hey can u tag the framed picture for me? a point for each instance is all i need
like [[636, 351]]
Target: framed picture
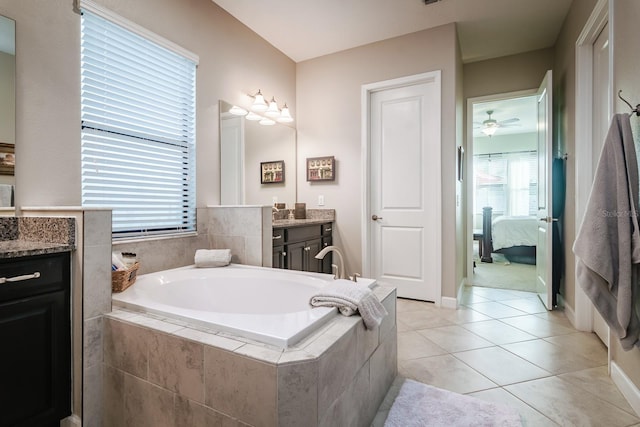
[[7, 159], [321, 168], [460, 163], [272, 172]]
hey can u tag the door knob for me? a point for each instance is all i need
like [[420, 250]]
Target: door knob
[[375, 217]]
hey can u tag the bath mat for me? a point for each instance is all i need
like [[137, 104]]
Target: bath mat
[[419, 405]]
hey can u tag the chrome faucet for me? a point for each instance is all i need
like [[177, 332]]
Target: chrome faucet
[[273, 212], [340, 267]]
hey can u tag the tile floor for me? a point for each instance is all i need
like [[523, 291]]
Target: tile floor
[[503, 346]]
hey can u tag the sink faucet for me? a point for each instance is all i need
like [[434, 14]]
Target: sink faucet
[[340, 267], [273, 212]]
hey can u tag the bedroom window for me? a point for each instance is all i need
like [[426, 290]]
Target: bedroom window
[[138, 127], [507, 182]]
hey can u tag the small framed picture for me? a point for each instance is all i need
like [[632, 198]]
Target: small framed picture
[[7, 159], [272, 172], [321, 168]]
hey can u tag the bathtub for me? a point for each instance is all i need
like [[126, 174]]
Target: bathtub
[[263, 304]]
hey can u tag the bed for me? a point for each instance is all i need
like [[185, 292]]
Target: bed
[[515, 237]]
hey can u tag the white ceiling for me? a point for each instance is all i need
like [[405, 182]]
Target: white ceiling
[[305, 29]]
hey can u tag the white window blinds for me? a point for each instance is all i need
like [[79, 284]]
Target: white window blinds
[[138, 130]]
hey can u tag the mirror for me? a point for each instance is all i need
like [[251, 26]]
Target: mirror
[[251, 156], [7, 110]]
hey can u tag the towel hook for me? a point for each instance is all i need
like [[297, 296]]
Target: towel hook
[[635, 110]]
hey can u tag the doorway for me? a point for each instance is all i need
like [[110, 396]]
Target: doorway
[[503, 190]]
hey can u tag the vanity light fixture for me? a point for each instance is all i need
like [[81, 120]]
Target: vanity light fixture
[[268, 114], [273, 110], [259, 103], [267, 121], [285, 115], [253, 116], [238, 111]]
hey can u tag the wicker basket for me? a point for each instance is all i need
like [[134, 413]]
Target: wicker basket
[[122, 279]]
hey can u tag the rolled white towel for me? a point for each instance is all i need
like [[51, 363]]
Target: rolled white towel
[[212, 257], [351, 297]]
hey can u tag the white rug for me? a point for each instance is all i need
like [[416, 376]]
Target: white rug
[[419, 405]]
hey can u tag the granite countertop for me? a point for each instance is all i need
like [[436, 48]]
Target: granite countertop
[[282, 223], [20, 248]]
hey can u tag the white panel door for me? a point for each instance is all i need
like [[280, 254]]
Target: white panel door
[[405, 200], [601, 121], [544, 249], [231, 161]]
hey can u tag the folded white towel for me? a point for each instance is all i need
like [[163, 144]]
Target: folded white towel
[[351, 297], [212, 257]]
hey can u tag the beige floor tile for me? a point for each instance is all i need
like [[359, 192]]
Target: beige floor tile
[[585, 344], [569, 405], [470, 297], [402, 327], [422, 319], [550, 357], [528, 305], [530, 417], [445, 372], [492, 293], [597, 381], [537, 326], [404, 304], [412, 345], [556, 316], [454, 338], [501, 366], [463, 315], [498, 332], [495, 310]]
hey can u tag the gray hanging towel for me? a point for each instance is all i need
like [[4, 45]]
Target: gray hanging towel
[[608, 242]]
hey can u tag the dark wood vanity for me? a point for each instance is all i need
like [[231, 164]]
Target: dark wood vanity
[[35, 331], [296, 243]]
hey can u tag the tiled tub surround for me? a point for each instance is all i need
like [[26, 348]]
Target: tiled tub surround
[[163, 372]]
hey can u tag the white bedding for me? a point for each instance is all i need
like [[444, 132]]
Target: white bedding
[[508, 231]]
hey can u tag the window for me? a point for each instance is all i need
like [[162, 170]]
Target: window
[[507, 182], [138, 130]]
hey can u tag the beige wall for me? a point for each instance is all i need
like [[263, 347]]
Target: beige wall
[[234, 61], [329, 111], [625, 77], [564, 93]]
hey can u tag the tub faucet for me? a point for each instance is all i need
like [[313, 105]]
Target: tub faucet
[[340, 267]]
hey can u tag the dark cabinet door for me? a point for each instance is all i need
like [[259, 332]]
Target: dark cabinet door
[[35, 369], [296, 256], [279, 256], [312, 248]]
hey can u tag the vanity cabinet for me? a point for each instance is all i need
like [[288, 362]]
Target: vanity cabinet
[[35, 332], [295, 247]]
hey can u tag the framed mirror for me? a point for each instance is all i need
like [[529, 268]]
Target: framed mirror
[[246, 148], [7, 110]]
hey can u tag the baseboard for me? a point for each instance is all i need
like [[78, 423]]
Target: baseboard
[[628, 389], [448, 302], [569, 312], [71, 421], [453, 303]]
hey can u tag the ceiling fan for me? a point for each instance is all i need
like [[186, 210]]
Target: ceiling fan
[[491, 125]]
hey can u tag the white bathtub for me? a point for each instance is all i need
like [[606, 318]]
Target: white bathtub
[[263, 304]]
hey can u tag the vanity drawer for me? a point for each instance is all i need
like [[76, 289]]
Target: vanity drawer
[[277, 236], [33, 275], [327, 229], [299, 234]]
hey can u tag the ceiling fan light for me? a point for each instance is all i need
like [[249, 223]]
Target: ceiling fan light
[[489, 130]]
